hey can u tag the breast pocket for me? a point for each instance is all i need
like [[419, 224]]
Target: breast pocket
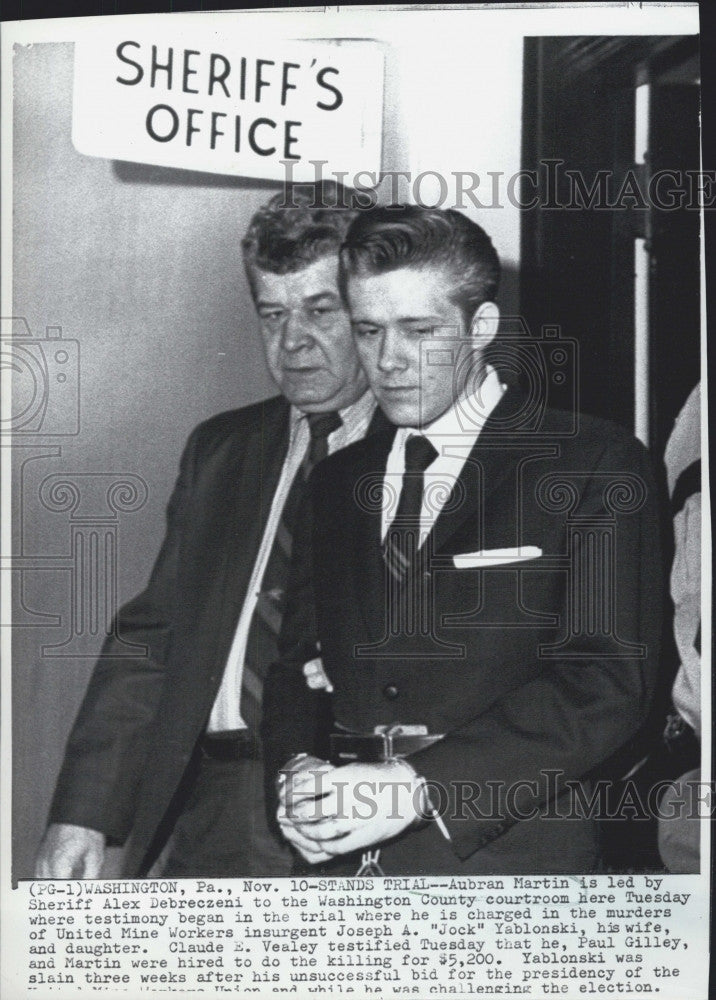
[[497, 594]]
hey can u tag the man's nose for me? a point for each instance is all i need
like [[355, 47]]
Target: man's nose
[[296, 332], [391, 356]]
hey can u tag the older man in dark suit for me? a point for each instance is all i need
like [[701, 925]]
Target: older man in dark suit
[[483, 583], [175, 732]]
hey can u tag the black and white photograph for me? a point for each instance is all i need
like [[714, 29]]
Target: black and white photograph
[[356, 630]]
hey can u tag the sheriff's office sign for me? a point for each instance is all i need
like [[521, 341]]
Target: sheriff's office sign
[[228, 105]]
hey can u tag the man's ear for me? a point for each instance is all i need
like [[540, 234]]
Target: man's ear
[[483, 328]]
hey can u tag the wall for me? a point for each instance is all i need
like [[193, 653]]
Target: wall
[[141, 266]]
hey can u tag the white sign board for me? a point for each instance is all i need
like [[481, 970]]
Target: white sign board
[[229, 104]]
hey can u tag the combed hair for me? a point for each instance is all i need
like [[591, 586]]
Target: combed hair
[[396, 236], [297, 227]]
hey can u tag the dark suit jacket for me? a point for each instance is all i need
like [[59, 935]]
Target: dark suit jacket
[[139, 722], [525, 669]]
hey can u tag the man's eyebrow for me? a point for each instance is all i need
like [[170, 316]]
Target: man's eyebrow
[[328, 294], [435, 320]]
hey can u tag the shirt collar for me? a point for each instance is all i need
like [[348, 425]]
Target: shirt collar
[[464, 419], [361, 410]]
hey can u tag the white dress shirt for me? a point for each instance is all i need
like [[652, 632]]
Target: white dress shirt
[[453, 435], [226, 713]]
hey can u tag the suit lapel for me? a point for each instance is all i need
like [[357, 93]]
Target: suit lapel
[[492, 459], [494, 456], [252, 475], [367, 476]]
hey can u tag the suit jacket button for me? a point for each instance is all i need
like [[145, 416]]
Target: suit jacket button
[[390, 691]]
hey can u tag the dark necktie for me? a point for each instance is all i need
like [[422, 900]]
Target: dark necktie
[[403, 538], [262, 642]]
